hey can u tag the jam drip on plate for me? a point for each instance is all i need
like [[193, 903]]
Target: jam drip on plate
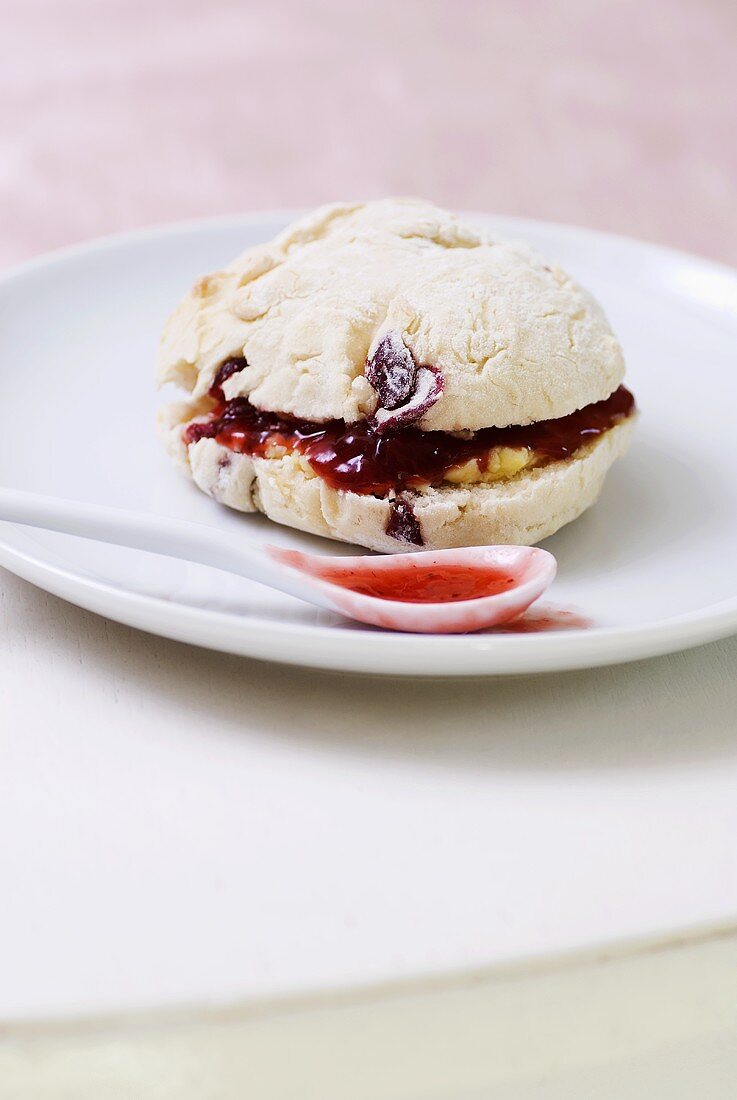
[[361, 458]]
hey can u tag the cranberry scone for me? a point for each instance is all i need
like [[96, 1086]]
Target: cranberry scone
[[388, 375]]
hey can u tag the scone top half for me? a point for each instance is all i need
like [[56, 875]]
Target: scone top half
[[397, 318]]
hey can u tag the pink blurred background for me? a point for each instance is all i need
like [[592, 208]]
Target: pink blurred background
[[119, 113]]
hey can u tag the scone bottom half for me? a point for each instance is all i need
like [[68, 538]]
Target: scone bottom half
[[249, 459]]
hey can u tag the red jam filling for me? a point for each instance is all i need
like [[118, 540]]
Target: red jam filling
[[408, 584], [363, 459]]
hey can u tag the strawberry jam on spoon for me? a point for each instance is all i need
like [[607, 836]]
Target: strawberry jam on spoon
[[433, 591]]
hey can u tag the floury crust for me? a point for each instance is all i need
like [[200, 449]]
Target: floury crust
[[515, 338]]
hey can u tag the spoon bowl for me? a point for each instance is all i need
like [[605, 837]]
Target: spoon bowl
[[429, 592]]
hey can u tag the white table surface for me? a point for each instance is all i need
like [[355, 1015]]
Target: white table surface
[[186, 828]]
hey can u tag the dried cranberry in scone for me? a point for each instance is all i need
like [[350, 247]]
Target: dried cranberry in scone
[[403, 525], [406, 391], [429, 385], [392, 371]]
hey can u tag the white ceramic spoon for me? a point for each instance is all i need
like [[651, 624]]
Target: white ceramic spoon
[[515, 575]]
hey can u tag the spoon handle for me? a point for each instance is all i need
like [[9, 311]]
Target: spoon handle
[[175, 538]]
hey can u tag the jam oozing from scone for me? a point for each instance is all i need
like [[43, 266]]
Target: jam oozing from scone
[[362, 458]]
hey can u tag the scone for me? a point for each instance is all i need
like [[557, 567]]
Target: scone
[[388, 375]]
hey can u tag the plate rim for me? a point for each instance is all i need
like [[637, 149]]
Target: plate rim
[[370, 652], [218, 630]]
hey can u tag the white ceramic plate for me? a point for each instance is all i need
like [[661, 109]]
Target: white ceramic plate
[[653, 564]]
